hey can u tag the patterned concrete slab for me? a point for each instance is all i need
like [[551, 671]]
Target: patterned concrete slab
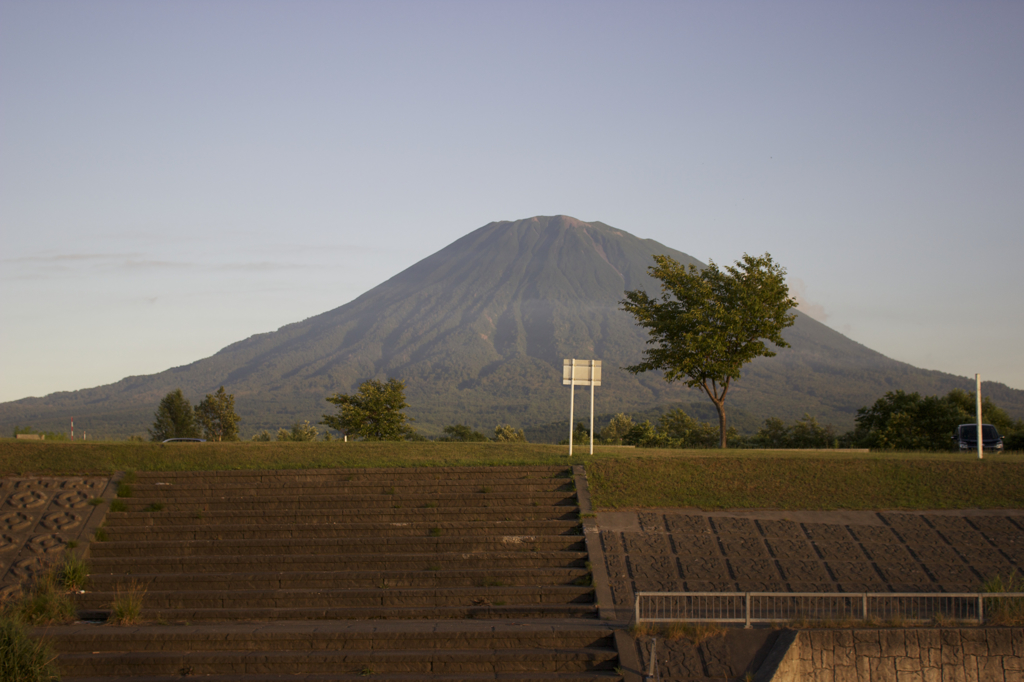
[[683, 550], [40, 518]]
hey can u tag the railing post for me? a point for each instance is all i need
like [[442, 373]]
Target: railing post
[[746, 598], [650, 667], [864, 604], [636, 609], [981, 600]]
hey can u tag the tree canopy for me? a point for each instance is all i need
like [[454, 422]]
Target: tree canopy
[[216, 414], [374, 412], [906, 421], [708, 323], [174, 418]]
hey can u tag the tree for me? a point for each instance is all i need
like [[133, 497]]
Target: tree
[[708, 323], [617, 428], [687, 431], [460, 433], [906, 421], [373, 413], [216, 414], [506, 433], [174, 418]]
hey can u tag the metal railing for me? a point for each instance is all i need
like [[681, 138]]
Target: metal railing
[[774, 607]]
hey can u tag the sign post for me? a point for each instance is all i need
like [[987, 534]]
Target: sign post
[[581, 373], [977, 393]]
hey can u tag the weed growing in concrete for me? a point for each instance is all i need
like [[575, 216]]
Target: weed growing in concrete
[[127, 606], [436, 532], [695, 634], [45, 603], [73, 572], [366, 671], [155, 507], [1005, 611], [101, 534], [22, 657], [485, 489], [95, 501], [491, 582], [118, 506], [637, 630], [430, 505], [124, 490]]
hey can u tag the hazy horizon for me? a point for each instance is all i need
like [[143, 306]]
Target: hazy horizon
[[175, 177]]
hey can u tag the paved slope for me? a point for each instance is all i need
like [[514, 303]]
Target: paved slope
[[403, 574]]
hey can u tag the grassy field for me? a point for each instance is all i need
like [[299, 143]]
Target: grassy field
[[619, 477]]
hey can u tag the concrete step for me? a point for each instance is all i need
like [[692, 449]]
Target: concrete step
[[337, 487], [343, 545], [351, 662], [494, 577], [587, 676], [196, 516], [347, 597], [283, 476], [274, 502], [357, 613], [263, 531], [336, 636], [338, 562]]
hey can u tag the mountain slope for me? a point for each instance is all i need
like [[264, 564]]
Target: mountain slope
[[478, 331]]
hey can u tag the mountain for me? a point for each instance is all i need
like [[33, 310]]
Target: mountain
[[478, 332]]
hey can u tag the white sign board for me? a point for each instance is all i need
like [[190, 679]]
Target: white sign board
[[581, 372]]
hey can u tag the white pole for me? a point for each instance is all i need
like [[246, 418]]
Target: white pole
[[977, 393], [591, 406], [572, 395]]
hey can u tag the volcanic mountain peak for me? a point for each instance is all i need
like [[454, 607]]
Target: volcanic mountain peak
[[478, 331]]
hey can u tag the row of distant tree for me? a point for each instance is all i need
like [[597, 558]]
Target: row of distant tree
[[374, 412], [896, 421]]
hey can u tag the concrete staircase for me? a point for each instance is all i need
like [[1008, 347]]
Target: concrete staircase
[[393, 574]]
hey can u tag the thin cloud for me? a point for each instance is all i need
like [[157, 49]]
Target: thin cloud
[[798, 290]]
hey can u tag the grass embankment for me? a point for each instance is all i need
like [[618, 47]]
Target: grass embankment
[[803, 483], [619, 477]]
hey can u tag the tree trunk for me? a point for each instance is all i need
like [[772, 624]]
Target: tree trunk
[[720, 405]]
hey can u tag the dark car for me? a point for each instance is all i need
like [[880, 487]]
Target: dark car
[[966, 438]]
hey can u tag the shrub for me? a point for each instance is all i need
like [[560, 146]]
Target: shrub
[[506, 433]]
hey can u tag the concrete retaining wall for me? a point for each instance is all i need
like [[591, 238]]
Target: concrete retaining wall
[[901, 655]]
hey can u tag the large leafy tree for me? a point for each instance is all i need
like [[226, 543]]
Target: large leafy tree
[[216, 414], [709, 322], [906, 421], [174, 418], [374, 412]]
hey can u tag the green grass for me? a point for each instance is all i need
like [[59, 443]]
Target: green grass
[[806, 483], [46, 602], [127, 606], [23, 658], [619, 477]]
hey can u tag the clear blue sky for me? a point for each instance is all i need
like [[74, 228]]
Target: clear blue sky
[[177, 176]]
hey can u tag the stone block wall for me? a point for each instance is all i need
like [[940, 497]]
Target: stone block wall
[[904, 655]]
